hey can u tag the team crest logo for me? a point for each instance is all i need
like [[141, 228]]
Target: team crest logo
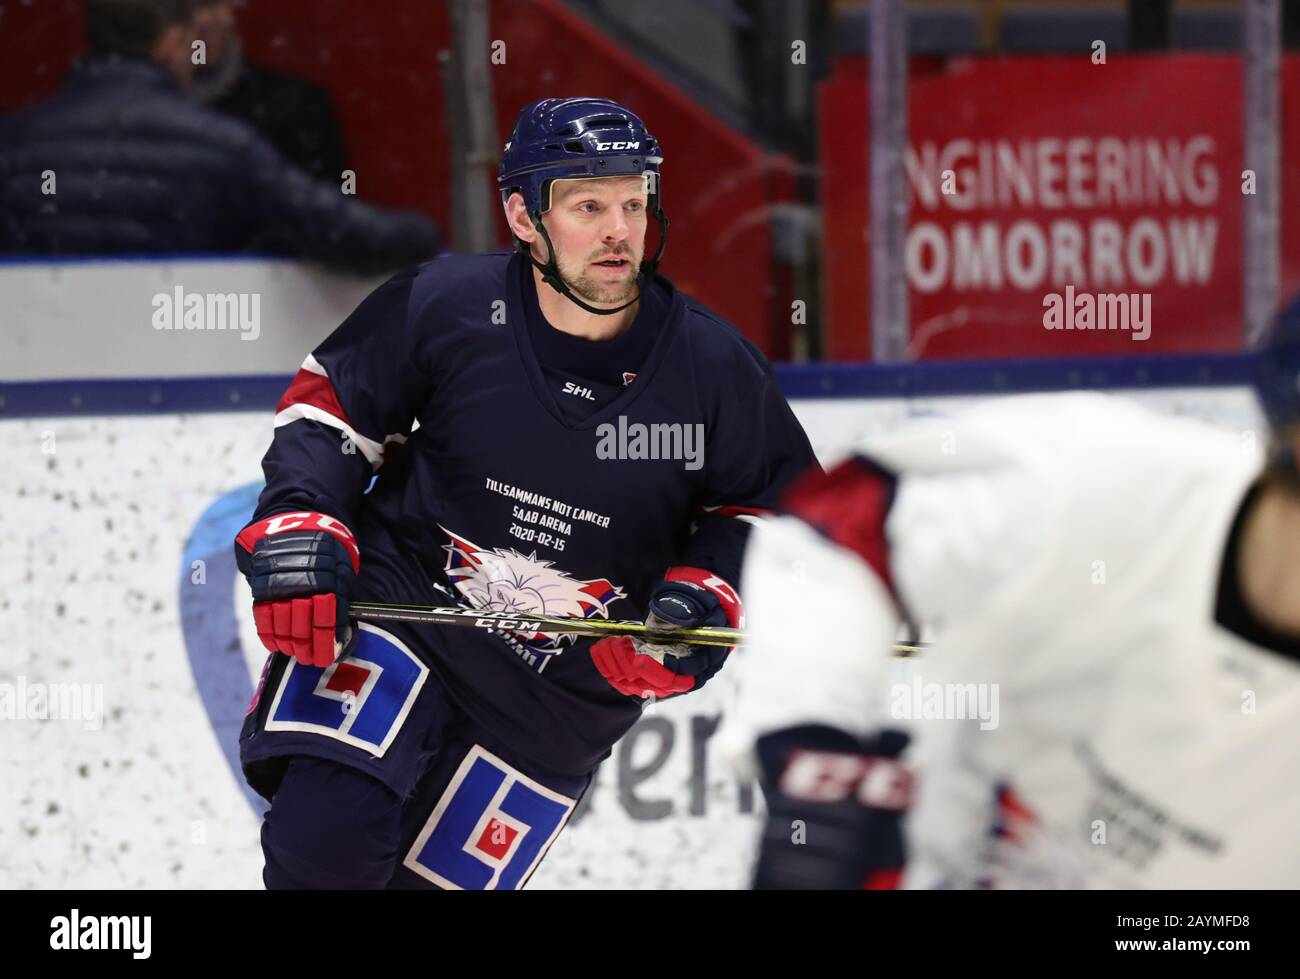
[[505, 580]]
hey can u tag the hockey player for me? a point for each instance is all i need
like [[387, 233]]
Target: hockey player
[[1113, 697], [555, 430]]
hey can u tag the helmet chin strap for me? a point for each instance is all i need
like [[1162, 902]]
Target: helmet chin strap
[[551, 270]]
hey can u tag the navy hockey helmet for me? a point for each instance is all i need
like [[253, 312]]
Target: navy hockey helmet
[[1277, 368], [578, 138], [1277, 385]]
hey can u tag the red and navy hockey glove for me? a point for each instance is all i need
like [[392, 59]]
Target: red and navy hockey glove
[[302, 568], [835, 807], [687, 598]]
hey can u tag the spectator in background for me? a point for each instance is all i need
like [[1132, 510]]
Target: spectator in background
[[121, 161], [293, 115]]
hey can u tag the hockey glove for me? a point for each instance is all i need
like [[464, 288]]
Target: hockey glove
[[302, 568], [835, 807], [685, 599]]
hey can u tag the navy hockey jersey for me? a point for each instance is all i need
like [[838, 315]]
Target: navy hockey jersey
[[492, 493]]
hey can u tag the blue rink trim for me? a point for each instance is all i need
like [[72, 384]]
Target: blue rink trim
[[210, 625], [177, 395], [956, 377], [141, 396]]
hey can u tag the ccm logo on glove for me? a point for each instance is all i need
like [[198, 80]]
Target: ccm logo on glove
[[821, 776], [302, 568]]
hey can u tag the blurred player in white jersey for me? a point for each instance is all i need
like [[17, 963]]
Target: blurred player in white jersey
[[1113, 697]]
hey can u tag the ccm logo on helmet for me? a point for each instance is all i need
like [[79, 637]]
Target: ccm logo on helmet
[[602, 147]]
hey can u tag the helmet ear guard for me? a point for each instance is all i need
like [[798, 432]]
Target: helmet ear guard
[[582, 138]]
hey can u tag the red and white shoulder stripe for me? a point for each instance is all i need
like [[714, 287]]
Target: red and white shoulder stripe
[[311, 395]]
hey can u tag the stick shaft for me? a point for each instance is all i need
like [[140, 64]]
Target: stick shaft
[[494, 621]]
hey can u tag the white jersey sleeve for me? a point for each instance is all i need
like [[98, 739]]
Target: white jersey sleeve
[[961, 515]]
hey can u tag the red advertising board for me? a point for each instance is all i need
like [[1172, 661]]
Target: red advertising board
[[1057, 207]]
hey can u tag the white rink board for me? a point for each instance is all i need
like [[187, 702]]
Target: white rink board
[[49, 304], [93, 526]]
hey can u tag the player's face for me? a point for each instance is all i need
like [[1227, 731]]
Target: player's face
[[598, 229]]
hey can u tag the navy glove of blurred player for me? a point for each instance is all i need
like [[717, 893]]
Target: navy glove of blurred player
[[687, 598], [835, 807], [302, 568]]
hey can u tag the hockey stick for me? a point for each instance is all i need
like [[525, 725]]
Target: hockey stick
[[495, 621]]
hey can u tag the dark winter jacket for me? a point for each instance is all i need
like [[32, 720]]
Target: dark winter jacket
[[136, 167]]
